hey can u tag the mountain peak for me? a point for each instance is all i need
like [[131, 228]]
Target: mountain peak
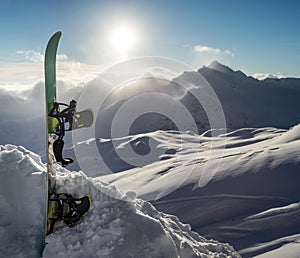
[[215, 65]]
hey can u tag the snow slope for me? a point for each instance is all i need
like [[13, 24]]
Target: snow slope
[[118, 225], [252, 202]]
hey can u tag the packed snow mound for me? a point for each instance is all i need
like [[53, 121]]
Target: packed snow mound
[[22, 202], [122, 226], [118, 225]]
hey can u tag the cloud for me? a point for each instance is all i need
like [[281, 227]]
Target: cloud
[[22, 100], [228, 52], [36, 57], [28, 68], [201, 49], [30, 56], [263, 76], [22, 112], [211, 50], [18, 73], [61, 57]]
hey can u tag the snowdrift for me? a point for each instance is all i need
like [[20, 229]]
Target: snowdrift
[[252, 202], [117, 226], [22, 201]]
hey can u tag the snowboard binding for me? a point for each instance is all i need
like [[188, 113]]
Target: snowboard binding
[[58, 146], [66, 120], [64, 207], [59, 119]]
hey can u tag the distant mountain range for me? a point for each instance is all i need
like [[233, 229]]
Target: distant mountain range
[[246, 101]]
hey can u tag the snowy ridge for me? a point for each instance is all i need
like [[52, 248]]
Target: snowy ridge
[[248, 102], [294, 207], [118, 225]]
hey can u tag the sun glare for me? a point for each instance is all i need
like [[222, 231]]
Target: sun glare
[[123, 39]]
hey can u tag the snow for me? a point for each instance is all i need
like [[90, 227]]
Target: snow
[[238, 187], [252, 199], [118, 225], [246, 102], [283, 247], [22, 198]]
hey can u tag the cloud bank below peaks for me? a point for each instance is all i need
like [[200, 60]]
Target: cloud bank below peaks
[[27, 67]]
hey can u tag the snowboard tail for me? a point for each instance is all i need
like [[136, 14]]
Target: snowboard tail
[[84, 118]]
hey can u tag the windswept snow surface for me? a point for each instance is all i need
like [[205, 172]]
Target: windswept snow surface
[[252, 201], [118, 225]]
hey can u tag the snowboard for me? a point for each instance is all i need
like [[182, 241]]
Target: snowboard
[[84, 118], [59, 206], [81, 119], [63, 121], [50, 95]]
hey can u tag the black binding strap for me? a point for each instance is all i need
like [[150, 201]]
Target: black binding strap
[[66, 115], [68, 209], [58, 146]]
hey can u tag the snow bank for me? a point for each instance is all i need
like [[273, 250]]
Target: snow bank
[[118, 225], [22, 202], [122, 226]]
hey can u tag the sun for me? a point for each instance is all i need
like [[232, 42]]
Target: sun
[[123, 38]]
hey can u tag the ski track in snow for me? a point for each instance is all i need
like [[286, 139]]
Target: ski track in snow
[[118, 225]]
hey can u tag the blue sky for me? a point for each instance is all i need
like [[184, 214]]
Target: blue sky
[[254, 36]]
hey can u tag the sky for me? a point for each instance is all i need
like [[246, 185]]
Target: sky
[[252, 36]]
